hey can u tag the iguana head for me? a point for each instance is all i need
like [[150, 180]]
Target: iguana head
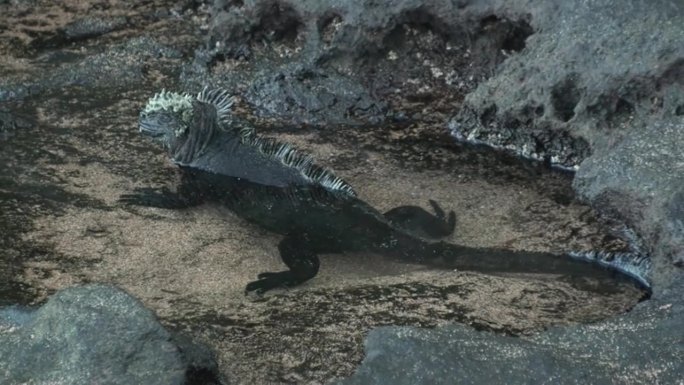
[[167, 117], [183, 123]]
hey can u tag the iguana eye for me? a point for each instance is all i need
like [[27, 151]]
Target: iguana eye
[[164, 118]]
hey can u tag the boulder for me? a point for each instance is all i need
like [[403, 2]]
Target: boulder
[[644, 346], [96, 334]]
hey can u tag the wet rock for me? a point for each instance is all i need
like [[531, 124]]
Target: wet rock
[[123, 64], [642, 347], [641, 181], [357, 28], [88, 27], [306, 95], [235, 26], [346, 62], [96, 333], [587, 73]]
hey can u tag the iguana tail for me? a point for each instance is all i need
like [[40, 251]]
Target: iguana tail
[[633, 267]]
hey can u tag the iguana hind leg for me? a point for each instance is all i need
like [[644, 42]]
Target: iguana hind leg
[[420, 222], [296, 254]]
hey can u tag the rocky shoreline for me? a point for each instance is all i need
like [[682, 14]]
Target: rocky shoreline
[[401, 93]]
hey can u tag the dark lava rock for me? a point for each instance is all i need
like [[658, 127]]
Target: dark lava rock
[[92, 26], [645, 346], [303, 95], [121, 64], [332, 62], [357, 29], [96, 334], [10, 122], [641, 181], [589, 71]]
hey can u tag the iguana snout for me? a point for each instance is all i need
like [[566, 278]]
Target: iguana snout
[[161, 124]]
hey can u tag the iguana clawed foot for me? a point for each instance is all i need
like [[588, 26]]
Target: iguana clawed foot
[[272, 280], [420, 222], [302, 261]]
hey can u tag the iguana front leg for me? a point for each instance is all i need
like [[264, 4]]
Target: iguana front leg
[[297, 255], [161, 198]]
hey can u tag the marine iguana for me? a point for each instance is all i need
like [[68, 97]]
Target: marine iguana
[[281, 189]]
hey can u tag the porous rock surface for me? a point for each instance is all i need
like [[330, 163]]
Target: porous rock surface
[[358, 61], [96, 334], [589, 73], [642, 347], [640, 180]]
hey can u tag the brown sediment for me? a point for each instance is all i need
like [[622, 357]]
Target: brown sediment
[[190, 266]]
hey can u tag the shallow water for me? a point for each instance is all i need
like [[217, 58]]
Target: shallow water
[[62, 226]]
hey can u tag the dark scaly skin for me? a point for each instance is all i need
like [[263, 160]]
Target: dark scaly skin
[[312, 218]]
